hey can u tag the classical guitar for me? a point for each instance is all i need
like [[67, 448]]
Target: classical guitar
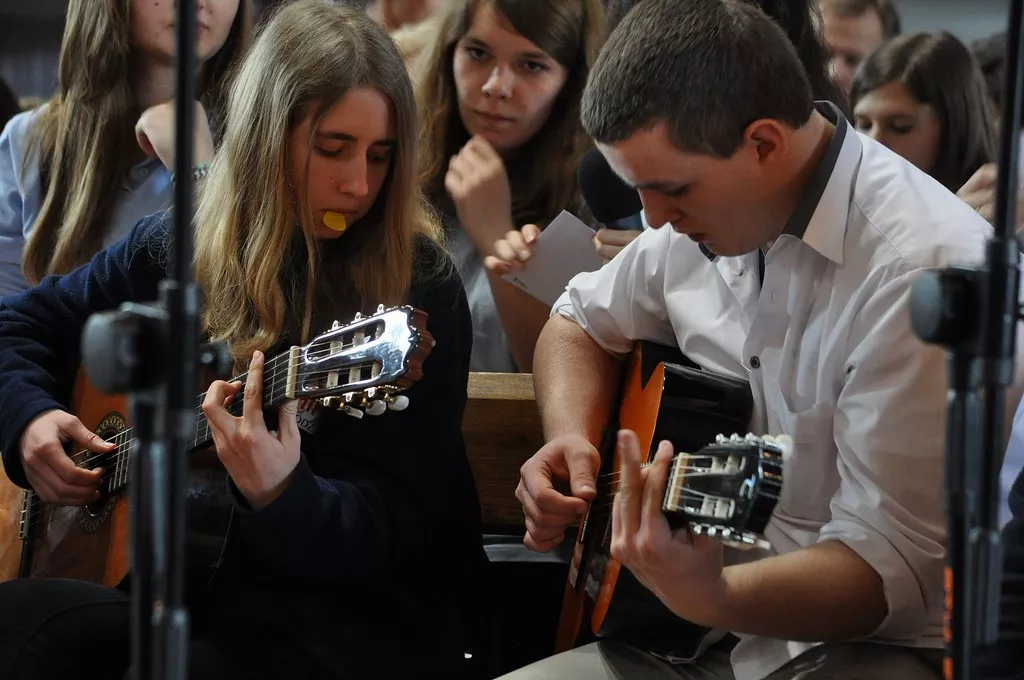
[[359, 368], [726, 489]]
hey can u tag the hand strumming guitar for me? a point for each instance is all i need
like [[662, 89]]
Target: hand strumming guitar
[[570, 461], [50, 471], [259, 461]]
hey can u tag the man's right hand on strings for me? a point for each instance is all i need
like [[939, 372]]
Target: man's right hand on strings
[[569, 462]]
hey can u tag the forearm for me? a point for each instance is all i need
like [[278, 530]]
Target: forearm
[[522, 316], [575, 381], [822, 593]]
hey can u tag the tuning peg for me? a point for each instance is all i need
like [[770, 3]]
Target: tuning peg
[[358, 316], [380, 309], [399, 403], [376, 408], [354, 412]]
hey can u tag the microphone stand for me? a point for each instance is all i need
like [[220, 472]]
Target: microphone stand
[[973, 312], [150, 352]]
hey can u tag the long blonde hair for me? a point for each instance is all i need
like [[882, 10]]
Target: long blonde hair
[[84, 139], [306, 58], [572, 32]]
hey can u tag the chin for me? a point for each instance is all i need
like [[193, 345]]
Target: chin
[[322, 233]]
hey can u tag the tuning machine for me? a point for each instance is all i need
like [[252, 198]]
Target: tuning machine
[[342, 404]]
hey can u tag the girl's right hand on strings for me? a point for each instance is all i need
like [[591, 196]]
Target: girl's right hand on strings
[[155, 134], [512, 252], [51, 472]]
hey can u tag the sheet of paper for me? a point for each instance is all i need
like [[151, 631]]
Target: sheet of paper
[[562, 251]]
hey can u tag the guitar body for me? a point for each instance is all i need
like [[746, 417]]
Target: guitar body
[[92, 543], [664, 397]]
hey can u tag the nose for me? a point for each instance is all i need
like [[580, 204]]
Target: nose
[[353, 178], [499, 83], [658, 209]]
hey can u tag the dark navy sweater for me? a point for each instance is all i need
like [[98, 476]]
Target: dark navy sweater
[[369, 562]]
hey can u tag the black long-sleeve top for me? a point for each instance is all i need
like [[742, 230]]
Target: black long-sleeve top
[[368, 564]]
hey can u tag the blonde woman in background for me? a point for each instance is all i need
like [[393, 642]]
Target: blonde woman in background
[[78, 173]]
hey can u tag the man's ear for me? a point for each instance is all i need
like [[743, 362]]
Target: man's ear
[[767, 138]]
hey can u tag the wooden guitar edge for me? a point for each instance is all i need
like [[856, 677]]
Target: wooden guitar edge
[[639, 412], [10, 520]]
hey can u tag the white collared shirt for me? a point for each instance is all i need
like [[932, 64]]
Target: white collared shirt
[[833, 362]]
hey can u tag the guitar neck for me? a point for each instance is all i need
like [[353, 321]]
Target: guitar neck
[[277, 386]]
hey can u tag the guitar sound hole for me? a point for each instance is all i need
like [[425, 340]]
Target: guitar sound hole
[[109, 428]]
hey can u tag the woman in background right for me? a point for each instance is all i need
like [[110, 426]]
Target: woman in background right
[[923, 96]]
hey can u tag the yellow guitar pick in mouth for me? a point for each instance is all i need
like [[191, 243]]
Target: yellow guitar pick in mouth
[[335, 221]]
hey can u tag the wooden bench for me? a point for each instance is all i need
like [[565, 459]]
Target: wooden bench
[[502, 430]]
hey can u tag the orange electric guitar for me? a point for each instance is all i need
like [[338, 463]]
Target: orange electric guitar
[[726, 489], [359, 368]]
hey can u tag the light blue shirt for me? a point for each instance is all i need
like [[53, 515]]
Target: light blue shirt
[[1012, 463], [146, 190]]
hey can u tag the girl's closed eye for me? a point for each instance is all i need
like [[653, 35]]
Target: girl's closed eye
[[329, 151]]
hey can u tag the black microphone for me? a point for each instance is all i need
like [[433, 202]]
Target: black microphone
[[609, 198]]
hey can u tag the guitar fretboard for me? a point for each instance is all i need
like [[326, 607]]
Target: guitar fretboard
[[275, 383]]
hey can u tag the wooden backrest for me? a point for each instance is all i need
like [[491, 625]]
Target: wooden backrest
[[502, 430]]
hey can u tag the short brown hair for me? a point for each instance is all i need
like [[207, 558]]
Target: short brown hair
[[885, 10], [707, 68]]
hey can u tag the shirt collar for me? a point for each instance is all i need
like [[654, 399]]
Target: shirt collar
[[823, 210], [825, 202]]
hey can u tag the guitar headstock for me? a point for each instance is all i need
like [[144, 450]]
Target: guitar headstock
[[363, 365], [728, 489]]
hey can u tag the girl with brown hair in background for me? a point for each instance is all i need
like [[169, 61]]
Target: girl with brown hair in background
[[500, 94]]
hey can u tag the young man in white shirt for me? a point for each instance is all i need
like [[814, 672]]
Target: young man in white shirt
[[790, 246]]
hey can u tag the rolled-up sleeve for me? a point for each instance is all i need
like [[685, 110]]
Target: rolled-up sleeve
[[624, 301], [889, 435]]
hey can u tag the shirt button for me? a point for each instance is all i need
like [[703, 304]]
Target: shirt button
[[755, 362]]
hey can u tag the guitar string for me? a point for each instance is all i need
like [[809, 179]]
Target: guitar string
[[689, 471], [122, 450], [603, 508], [612, 477]]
